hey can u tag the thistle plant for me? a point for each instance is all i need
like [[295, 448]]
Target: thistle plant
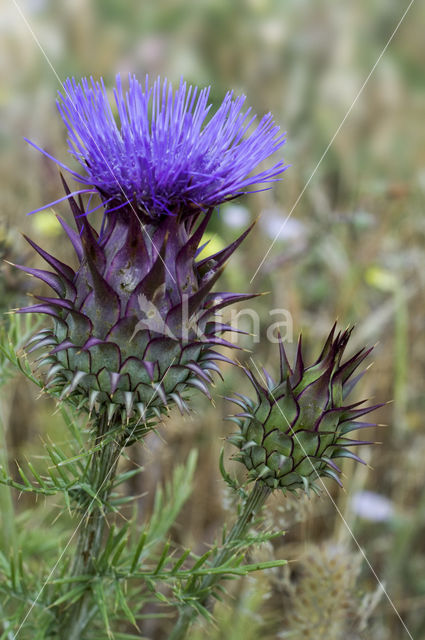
[[291, 433], [134, 330], [139, 312]]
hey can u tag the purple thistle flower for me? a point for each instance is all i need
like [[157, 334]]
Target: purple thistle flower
[[134, 324], [161, 152]]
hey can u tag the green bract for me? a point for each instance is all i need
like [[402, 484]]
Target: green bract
[[291, 434]]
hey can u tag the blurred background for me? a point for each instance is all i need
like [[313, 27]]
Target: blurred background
[[353, 249]]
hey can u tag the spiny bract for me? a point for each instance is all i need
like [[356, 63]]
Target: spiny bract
[[134, 325], [292, 433]]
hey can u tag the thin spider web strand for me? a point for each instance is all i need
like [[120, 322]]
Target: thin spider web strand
[[332, 140]]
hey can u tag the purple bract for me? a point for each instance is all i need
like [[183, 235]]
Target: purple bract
[[134, 326]]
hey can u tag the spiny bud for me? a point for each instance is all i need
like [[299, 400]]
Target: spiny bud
[[134, 326], [294, 430]]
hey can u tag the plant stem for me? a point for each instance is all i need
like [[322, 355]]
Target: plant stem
[[253, 504], [74, 618], [7, 510]]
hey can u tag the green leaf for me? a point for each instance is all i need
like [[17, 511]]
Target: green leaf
[[169, 502], [71, 426], [123, 477], [116, 502], [14, 577], [14, 334], [119, 542], [163, 558], [226, 477], [71, 579], [201, 561], [202, 610], [118, 553], [71, 596], [36, 474], [138, 551], [124, 605], [180, 561], [99, 596], [109, 547], [161, 597]]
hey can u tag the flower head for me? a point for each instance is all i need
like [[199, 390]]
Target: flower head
[[160, 150], [295, 429], [134, 326]]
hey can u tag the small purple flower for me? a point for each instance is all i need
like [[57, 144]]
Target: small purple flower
[[372, 506], [162, 152]]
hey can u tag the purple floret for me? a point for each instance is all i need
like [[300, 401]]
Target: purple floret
[[162, 151]]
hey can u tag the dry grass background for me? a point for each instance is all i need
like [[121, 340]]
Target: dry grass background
[[353, 250]]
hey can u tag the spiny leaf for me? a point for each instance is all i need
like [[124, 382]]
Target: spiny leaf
[[109, 546], [124, 605], [138, 551], [71, 579], [118, 552], [201, 561], [180, 561], [99, 596], [14, 574], [70, 596], [24, 477], [226, 477], [202, 610], [8, 480], [162, 598], [71, 426], [169, 502], [116, 502], [14, 334], [36, 474], [163, 558], [123, 477]]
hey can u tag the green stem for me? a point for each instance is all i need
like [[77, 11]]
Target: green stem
[[74, 619], [254, 502], [7, 510]]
